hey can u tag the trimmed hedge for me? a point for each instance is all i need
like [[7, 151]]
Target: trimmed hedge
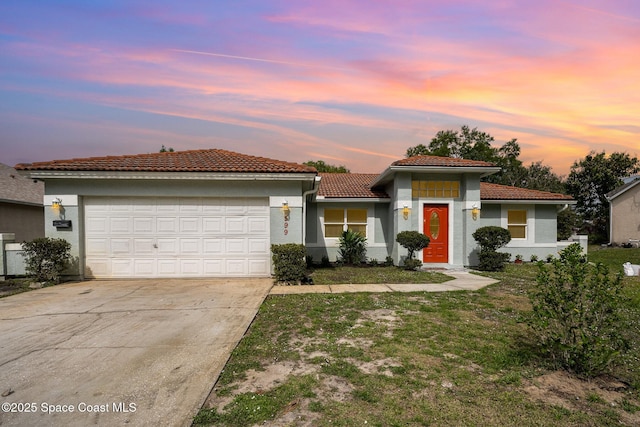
[[289, 263]]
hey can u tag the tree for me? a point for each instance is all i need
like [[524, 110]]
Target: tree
[[589, 181], [473, 144], [164, 149], [540, 177], [321, 166], [412, 241]]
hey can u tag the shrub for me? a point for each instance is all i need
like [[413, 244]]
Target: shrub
[[412, 264], [289, 262], [412, 241], [490, 239], [492, 260], [388, 261], [46, 258], [309, 261], [576, 313], [352, 247]]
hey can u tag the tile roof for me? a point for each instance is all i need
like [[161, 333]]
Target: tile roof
[[504, 192], [349, 185], [210, 160], [17, 188], [440, 161]]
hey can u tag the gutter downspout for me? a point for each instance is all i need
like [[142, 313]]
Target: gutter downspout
[[316, 187]]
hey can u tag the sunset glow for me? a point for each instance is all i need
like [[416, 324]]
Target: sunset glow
[[349, 82]]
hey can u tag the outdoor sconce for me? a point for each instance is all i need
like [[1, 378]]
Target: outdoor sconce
[[405, 212], [56, 203], [475, 212], [285, 210]]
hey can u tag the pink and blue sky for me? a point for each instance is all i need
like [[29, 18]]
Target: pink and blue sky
[[352, 82]]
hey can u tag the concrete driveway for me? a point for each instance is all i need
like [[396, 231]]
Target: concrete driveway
[[119, 352]]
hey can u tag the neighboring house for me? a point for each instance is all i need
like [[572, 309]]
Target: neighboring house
[[216, 213], [21, 209], [624, 208]]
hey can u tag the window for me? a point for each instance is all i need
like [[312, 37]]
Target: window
[[338, 220], [435, 189], [517, 223]]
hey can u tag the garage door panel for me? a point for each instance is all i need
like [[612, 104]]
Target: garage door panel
[[235, 225], [122, 268], [167, 267], [235, 246], [121, 225], [258, 225], [144, 267], [258, 266], [213, 267], [236, 267], [212, 247], [97, 246], [213, 225], [190, 225], [121, 246], [98, 267], [257, 246], [143, 246], [97, 225], [167, 246], [190, 246], [174, 237], [143, 225], [167, 225], [191, 267]]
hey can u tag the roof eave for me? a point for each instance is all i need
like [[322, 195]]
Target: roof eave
[[623, 189], [221, 176], [325, 199], [529, 201], [386, 175]]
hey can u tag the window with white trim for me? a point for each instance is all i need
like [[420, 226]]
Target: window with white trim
[[517, 223], [338, 220]]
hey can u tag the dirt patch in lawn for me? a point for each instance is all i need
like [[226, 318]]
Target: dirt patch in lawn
[[561, 389]]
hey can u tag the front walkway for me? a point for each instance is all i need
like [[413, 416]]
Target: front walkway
[[463, 281]]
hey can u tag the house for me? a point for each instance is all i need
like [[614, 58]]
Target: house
[[624, 208], [21, 209], [216, 213]]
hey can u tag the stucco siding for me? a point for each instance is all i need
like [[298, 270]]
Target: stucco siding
[[625, 216], [25, 221]]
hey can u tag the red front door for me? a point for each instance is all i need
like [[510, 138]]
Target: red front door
[[436, 227]]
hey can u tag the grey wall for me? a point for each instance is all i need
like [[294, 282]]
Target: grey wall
[[25, 221]]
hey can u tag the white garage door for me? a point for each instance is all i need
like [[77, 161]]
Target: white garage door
[[176, 237]]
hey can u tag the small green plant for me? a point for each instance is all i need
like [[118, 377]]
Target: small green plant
[[412, 241], [490, 239], [519, 258], [325, 262], [289, 262], [46, 258], [576, 313], [388, 261], [352, 247], [534, 258]]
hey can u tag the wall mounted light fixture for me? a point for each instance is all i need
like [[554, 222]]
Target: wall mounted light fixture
[[475, 212], [285, 210], [56, 203], [405, 212]]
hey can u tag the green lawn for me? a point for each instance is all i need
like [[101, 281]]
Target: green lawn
[[359, 275], [416, 359]]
